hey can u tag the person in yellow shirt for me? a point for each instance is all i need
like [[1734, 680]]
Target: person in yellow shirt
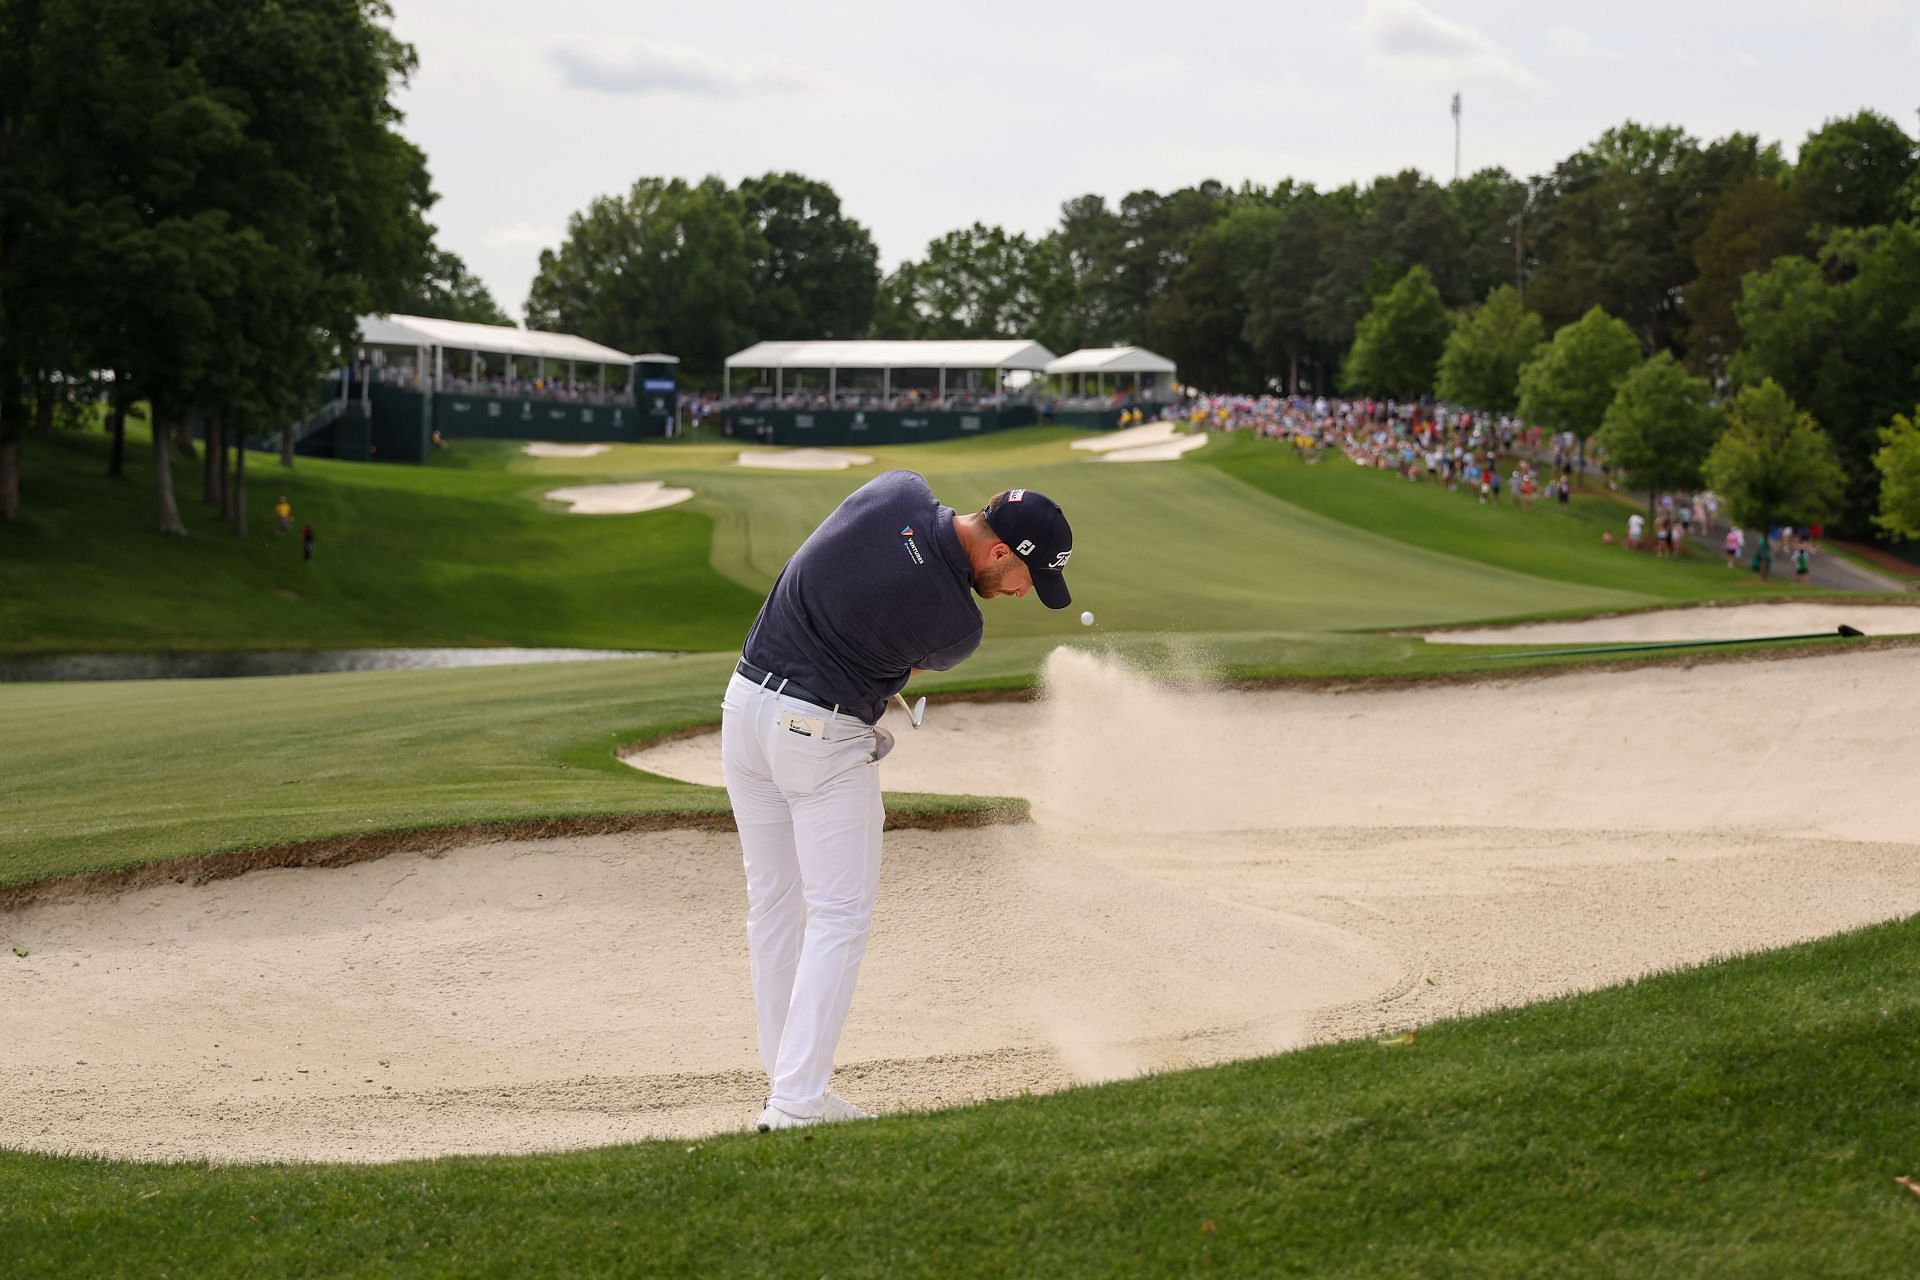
[[284, 510]]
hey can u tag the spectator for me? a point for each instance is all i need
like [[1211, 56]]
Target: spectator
[[283, 510], [1636, 525], [1736, 543], [306, 543]]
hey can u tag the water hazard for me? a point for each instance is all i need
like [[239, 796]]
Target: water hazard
[[167, 665]]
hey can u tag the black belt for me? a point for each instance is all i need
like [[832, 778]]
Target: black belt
[[783, 686]]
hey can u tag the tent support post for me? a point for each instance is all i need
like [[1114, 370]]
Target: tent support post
[[833, 387]]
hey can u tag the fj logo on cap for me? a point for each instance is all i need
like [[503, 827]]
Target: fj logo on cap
[[1026, 547]]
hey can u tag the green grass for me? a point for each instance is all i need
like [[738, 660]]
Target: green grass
[[448, 554], [1746, 1118], [465, 551], [1548, 541]]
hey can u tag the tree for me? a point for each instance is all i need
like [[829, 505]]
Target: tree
[[1898, 462], [1571, 382], [1774, 465], [1839, 336], [1754, 221], [1486, 350], [978, 282], [667, 267], [1399, 342], [1200, 322], [1488, 206], [1618, 221], [813, 270], [1852, 171], [1659, 427], [449, 291]]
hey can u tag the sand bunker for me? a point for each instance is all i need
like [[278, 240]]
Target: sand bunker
[[619, 499], [1151, 442], [1731, 623], [803, 459], [1128, 437], [548, 449], [1208, 876]]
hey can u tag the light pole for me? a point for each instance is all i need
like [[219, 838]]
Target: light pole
[[1456, 135]]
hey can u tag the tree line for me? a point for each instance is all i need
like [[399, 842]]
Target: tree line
[[1735, 263], [197, 199]]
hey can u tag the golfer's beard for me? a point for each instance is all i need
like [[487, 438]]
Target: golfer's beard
[[989, 580]]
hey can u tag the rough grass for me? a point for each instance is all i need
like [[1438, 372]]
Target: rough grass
[[1746, 1118]]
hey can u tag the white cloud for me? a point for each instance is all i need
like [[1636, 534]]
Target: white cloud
[[1571, 42], [1405, 38], [521, 235], [651, 66]]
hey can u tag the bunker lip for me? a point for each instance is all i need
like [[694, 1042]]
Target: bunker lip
[[1170, 907], [1722, 621], [347, 850]]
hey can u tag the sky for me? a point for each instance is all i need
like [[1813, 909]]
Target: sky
[[923, 124]]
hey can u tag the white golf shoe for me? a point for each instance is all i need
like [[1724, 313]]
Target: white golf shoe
[[838, 1108], [774, 1118]]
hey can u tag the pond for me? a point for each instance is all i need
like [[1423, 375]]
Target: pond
[[173, 665]]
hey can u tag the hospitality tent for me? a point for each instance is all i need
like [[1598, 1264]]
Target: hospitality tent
[[430, 340], [1001, 355], [1117, 363]]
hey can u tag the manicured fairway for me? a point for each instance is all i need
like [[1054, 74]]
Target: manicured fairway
[[1239, 536], [1747, 1118]]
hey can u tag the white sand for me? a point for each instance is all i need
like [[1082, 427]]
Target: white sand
[[1734, 622], [1207, 876], [1165, 451], [619, 499], [548, 449], [1128, 437], [803, 459]]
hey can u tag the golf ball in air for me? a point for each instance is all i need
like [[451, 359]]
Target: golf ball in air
[[1086, 619]]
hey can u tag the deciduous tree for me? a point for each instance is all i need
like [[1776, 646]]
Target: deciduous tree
[[1659, 427], [1573, 379], [1486, 350], [1773, 464], [1399, 341], [1898, 462]]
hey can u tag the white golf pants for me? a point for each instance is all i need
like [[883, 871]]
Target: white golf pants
[[805, 788]]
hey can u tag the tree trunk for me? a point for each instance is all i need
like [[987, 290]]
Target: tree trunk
[[9, 476], [117, 428], [43, 413], [239, 489], [210, 473], [226, 485], [286, 445], [163, 473], [1293, 373]]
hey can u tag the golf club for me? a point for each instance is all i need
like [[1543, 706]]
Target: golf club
[[915, 713], [1843, 631]]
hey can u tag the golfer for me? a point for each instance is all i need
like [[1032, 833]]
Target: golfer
[[883, 588]]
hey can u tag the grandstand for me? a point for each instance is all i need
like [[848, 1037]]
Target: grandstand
[[882, 392], [413, 377]]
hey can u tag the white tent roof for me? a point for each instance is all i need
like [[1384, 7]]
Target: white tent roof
[[971, 353], [492, 339], [1111, 360]]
